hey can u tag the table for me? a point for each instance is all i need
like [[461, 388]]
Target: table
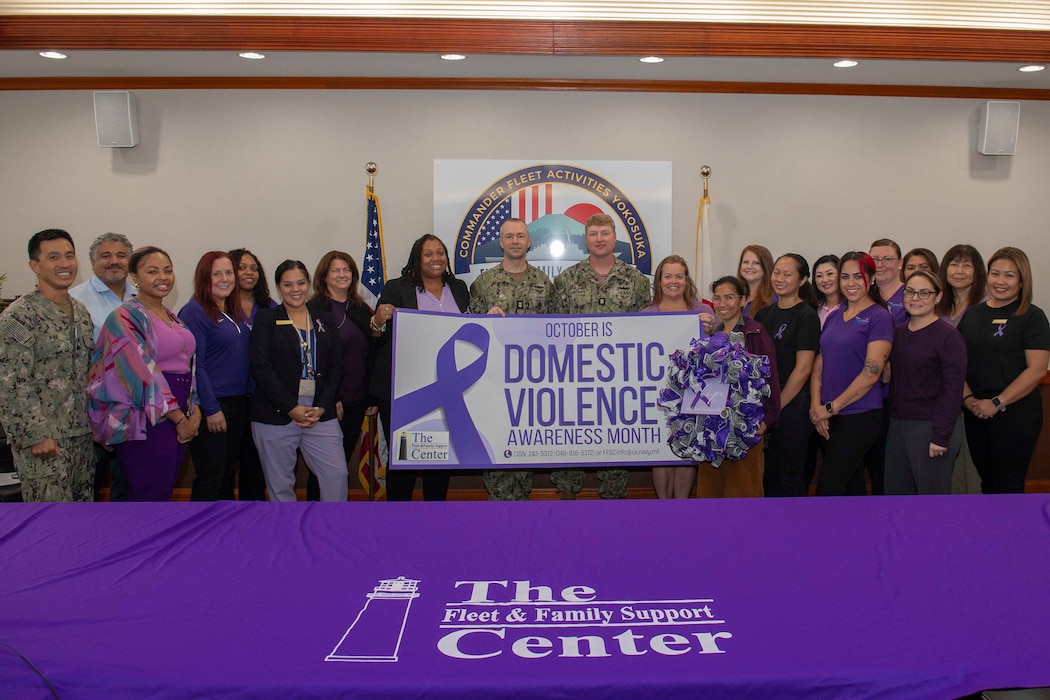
[[902, 597]]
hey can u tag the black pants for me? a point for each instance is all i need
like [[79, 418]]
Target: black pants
[[875, 460], [850, 438], [215, 454], [350, 424], [786, 448], [251, 484], [1002, 446]]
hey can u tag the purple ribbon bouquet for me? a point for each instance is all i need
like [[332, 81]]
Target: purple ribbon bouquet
[[732, 432]]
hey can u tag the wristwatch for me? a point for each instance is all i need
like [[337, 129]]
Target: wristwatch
[[830, 408], [999, 404]]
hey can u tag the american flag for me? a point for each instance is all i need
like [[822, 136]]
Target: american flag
[[373, 264], [527, 204], [372, 450]]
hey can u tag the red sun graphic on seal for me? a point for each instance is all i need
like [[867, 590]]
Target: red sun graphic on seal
[[582, 211]]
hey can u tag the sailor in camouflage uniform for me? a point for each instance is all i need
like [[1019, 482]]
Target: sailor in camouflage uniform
[[601, 284], [45, 347], [512, 287]]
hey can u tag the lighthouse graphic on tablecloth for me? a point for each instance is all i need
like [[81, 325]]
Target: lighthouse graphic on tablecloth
[[375, 634]]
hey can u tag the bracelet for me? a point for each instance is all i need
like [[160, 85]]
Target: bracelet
[[180, 419], [373, 326], [968, 396]]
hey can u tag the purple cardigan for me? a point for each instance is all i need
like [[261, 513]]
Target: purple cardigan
[[126, 389]]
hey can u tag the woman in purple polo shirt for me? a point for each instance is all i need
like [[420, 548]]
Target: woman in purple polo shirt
[[846, 403], [928, 367]]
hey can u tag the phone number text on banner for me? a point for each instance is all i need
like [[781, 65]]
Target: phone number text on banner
[[490, 392]]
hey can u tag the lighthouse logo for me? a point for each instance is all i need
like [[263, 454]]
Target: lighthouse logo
[[376, 632]]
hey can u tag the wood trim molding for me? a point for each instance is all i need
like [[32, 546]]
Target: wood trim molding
[[605, 38], [643, 86]]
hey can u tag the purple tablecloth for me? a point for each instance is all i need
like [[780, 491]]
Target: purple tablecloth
[[828, 598]]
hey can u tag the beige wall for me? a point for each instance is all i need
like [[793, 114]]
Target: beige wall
[[282, 172]]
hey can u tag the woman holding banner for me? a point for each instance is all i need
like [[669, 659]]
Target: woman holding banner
[[674, 291], [426, 283]]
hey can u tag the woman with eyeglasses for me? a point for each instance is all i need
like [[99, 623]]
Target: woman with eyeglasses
[[223, 375], [845, 387], [740, 478], [928, 367], [1008, 345]]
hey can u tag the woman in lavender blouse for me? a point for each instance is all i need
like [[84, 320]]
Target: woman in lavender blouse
[[426, 283]]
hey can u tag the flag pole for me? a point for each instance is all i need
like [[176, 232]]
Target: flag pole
[[373, 424], [702, 263]]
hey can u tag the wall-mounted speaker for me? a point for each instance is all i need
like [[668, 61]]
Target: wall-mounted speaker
[[116, 119], [997, 128]]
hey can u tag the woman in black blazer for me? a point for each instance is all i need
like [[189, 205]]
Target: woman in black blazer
[[427, 283], [335, 291], [297, 362]]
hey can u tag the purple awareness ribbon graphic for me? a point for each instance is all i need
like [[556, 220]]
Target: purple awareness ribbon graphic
[[780, 331], [447, 394], [999, 333]]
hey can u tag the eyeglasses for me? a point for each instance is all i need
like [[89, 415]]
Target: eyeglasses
[[923, 294], [725, 297], [885, 261]]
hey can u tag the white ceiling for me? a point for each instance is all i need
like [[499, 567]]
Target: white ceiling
[[27, 64]]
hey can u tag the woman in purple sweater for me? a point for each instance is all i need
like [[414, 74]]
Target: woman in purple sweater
[[928, 365]]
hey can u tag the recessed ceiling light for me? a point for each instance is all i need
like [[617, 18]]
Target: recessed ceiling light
[[651, 59], [1031, 69], [453, 57], [845, 64], [252, 55], [52, 54]]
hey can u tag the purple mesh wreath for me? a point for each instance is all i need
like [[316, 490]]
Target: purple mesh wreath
[[730, 434]]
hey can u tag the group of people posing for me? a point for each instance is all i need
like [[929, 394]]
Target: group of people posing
[[866, 366]]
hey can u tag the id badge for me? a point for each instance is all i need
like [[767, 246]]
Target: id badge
[[307, 387]]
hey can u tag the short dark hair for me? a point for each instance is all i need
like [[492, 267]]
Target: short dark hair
[[48, 234], [109, 238]]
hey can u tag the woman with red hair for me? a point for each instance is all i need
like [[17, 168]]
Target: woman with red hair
[[846, 387], [220, 328]]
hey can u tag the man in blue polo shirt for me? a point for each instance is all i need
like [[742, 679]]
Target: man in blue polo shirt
[[107, 289]]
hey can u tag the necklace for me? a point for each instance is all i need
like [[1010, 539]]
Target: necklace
[[346, 310], [161, 313]]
